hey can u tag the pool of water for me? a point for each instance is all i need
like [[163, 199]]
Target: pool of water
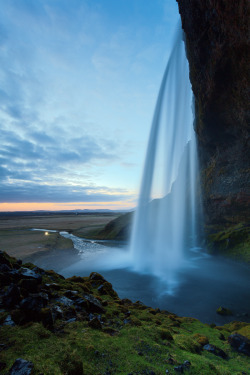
[[196, 289]]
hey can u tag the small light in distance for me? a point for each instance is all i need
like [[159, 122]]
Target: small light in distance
[[46, 233]]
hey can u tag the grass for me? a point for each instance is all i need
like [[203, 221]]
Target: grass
[[134, 348], [133, 339]]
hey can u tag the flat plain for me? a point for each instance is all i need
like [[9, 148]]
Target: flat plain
[[18, 240]]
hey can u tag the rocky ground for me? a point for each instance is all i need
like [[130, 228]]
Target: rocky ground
[[52, 325]]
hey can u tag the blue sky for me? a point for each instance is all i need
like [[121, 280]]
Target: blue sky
[[78, 85]]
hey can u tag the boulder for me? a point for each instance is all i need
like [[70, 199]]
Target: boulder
[[32, 305], [214, 350], [21, 367], [96, 276], [8, 321], [11, 297], [65, 301], [94, 305], [223, 311], [240, 343], [26, 273]]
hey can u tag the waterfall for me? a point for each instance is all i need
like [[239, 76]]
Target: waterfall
[[165, 223]]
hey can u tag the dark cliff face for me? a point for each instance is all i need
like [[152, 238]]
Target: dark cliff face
[[217, 42]]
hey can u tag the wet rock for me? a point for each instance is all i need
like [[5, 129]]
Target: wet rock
[[94, 305], [71, 294], [8, 321], [71, 320], [187, 364], [33, 304], [214, 350], [240, 343], [21, 367], [26, 273], [96, 276], [38, 270], [81, 306], [106, 288], [11, 297], [65, 301], [95, 323], [69, 313], [224, 311], [101, 289], [57, 312]]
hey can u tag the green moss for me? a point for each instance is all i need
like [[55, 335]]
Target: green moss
[[223, 311], [233, 241], [145, 343], [118, 229]]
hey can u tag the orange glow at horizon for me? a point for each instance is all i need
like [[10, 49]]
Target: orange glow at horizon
[[36, 206]]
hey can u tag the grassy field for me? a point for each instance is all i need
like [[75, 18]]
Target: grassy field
[[18, 240]]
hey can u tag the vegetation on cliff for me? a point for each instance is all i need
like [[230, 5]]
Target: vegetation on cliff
[[80, 326]]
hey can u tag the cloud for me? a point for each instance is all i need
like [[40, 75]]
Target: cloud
[[31, 192], [76, 91], [44, 157]]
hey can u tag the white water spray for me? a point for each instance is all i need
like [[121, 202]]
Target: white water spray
[[164, 228]]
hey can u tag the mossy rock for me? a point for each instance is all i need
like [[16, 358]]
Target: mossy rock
[[232, 241], [223, 311], [201, 339], [107, 288]]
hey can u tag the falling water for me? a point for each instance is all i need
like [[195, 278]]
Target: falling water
[[165, 224]]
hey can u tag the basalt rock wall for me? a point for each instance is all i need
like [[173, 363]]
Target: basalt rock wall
[[217, 44]]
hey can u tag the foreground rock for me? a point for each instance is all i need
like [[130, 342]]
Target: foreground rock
[[80, 325], [27, 295], [240, 343], [21, 367]]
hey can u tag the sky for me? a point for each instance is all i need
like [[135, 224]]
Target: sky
[[78, 84]]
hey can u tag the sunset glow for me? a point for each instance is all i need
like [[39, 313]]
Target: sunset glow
[[36, 206]]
